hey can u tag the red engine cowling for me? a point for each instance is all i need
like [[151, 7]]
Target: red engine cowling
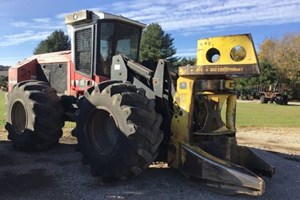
[[56, 68]]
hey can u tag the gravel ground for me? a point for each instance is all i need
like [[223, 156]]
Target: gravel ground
[[58, 174], [281, 140]]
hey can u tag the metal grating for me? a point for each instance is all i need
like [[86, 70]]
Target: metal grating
[[83, 50]]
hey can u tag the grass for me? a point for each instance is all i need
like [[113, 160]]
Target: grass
[[2, 110], [267, 115], [248, 115]]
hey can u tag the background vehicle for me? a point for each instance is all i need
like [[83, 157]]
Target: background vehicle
[[129, 114], [246, 95], [274, 93]]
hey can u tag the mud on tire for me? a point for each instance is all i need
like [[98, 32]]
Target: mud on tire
[[34, 116], [117, 130]]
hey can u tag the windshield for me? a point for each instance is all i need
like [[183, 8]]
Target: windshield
[[116, 38]]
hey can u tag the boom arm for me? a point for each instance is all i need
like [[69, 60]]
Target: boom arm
[[154, 78]]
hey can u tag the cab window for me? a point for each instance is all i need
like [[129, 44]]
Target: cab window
[[83, 50]]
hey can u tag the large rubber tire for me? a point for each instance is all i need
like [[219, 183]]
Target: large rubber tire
[[34, 116], [250, 97], [279, 100], [263, 99], [117, 130]]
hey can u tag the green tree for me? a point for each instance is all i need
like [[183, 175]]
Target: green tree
[[184, 61], [267, 73], [156, 44], [57, 41], [266, 78]]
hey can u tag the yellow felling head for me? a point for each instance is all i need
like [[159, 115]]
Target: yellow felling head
[[232, 55]]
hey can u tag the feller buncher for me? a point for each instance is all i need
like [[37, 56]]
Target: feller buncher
[[129, 114]]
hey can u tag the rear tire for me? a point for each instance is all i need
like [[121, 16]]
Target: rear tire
[[279, 100], [117, 130], [35, 117]]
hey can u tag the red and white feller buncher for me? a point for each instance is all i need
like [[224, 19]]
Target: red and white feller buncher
[[129, 114]]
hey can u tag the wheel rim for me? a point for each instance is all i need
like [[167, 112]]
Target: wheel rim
[[19, 119], [103, 131]]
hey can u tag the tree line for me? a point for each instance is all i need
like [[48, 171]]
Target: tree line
[[3, 68]]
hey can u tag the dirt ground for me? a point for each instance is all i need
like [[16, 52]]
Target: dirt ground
[[282, 140], [58, 173]]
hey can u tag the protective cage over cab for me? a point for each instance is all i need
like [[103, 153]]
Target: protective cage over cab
[[97, 37]]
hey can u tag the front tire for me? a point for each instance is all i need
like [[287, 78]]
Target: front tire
[[244, 97], [34, 117], [117, 130], [263, 99]]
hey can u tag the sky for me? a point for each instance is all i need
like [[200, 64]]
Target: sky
[[24, 23]]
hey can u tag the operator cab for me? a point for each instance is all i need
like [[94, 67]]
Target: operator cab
[[97, 37]]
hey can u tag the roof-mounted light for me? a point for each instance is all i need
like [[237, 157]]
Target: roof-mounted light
[[83, 16]]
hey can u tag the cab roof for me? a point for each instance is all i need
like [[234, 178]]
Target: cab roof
[[87, 16]]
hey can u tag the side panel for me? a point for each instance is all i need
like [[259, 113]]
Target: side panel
[[80, 82], [21, 72], [55, 74], [49, 67]]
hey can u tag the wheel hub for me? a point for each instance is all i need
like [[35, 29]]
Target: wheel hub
[[103, 131], [19, 119]]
